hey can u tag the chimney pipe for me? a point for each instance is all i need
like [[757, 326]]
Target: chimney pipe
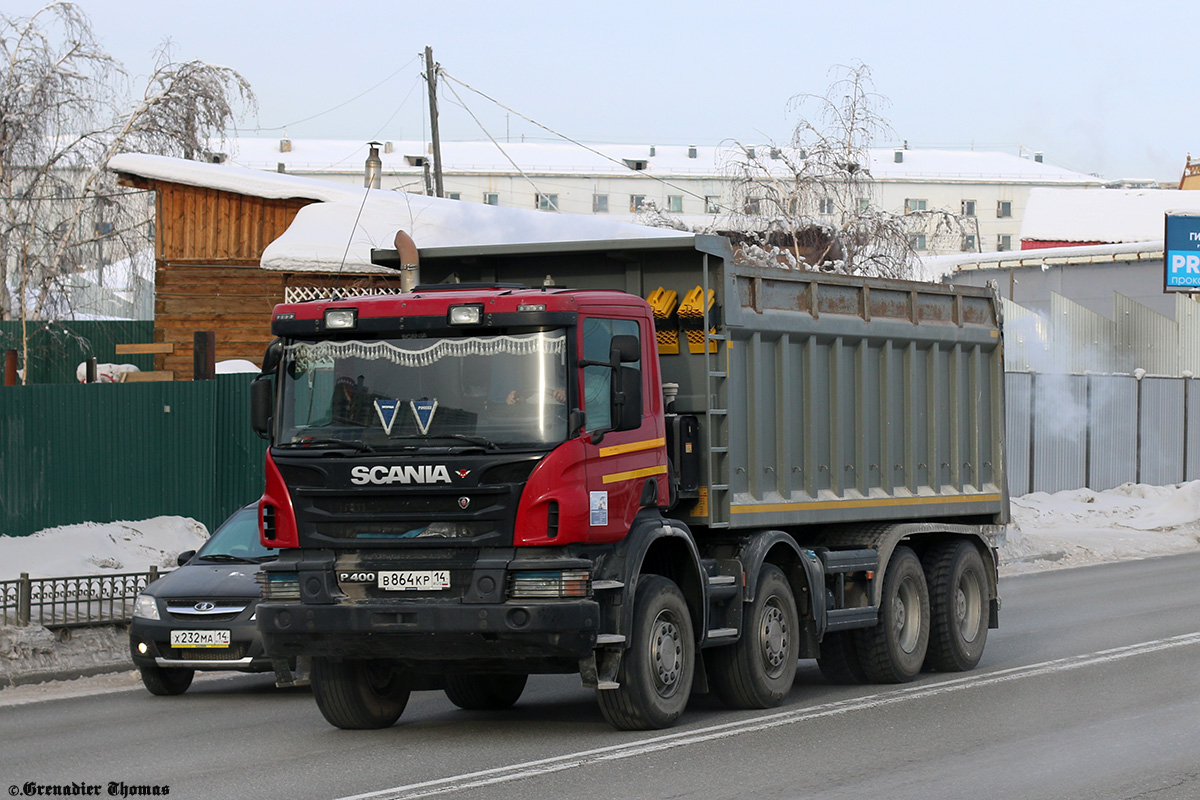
[[374, 167], [410, 268]]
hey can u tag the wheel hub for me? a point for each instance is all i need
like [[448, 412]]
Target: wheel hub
[[773, 634], [667, 650]]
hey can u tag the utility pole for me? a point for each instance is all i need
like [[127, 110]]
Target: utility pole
[[431, 77]]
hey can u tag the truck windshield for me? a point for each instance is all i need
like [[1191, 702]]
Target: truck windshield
[[496, 392]]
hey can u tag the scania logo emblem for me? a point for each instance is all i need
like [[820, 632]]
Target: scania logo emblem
[[205, 606], [463, 502]]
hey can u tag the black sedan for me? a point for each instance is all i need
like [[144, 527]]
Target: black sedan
[[201, 616]]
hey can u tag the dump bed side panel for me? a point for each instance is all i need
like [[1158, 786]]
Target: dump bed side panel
[[859, 399]]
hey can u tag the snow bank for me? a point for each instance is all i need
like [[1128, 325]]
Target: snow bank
[[91, 548], [1080, 526]]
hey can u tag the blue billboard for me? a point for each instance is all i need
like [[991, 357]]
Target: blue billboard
[[1181, 253]]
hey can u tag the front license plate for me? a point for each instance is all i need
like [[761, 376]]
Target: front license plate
[[428, 580], [199, 638]]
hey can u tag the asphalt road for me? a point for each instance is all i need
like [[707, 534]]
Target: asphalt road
[[1090, 689]]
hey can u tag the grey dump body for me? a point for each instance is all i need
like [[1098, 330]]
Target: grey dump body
[[821, 398]]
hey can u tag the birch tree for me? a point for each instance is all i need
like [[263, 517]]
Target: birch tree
[[66, 107], [813, 202]]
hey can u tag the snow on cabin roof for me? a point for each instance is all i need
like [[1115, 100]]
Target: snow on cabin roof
[[340, 230], [1111, 215], [342, 156]]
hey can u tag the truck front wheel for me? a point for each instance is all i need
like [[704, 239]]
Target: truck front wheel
[[655, 675], [757, 671], [959, 600], [358, 695], [485, 692], [894, 650]]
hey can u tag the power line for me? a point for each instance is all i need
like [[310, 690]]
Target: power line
[[566, 138], [493, 140], [339, 105]]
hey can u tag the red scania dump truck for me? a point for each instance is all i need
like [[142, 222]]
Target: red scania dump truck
[[642, 462]]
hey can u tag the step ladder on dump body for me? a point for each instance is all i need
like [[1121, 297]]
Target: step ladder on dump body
[[716, 361]]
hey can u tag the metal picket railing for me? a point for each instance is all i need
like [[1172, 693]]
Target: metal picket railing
[[72, 602]]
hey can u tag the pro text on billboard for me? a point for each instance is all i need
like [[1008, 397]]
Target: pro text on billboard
[[1182, 253]]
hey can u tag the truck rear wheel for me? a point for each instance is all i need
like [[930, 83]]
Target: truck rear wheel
[[894, 650], [757, 671], [839, 661], [958, 598], [655, 674], [358, 695], [485, 692]]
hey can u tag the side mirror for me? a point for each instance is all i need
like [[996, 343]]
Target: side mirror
[[262, 400], [626, 348], [272, 356], [185, 557]]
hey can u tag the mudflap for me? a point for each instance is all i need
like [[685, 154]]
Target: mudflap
[[286, 677]]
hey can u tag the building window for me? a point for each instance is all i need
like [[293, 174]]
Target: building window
[[1004, 208], [675, 203], [968, 208], [917, 241], [491, 199], [752, 205], [599, 204], [454, 195], [1004, 241], [968, 243], [712, 204], [547, 202], [636, 201], [912, 205], [825, 206], [864, 205]]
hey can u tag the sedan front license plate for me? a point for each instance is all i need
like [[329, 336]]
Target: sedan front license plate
[[199, 638], [429, 580]]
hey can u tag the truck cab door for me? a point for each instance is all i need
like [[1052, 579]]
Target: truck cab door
[[620, 462]]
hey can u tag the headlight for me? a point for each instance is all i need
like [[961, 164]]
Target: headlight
[[145, 607], [565, 583]]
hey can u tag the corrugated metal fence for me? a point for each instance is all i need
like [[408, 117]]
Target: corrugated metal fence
[[110, 451], [1099, 431], [57, 348]]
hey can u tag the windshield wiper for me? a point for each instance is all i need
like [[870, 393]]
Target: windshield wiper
[[228, 557], [361, 447], [428, 441]]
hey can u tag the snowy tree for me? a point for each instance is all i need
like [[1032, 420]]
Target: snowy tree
[[65, 110], [813, 201]]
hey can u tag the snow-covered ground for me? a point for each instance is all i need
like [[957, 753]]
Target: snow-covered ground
[[1048, 531]]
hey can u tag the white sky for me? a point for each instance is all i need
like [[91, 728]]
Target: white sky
[[1099, 87]]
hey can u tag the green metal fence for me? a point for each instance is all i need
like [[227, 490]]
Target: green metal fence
[[57, 348], [110, 451]]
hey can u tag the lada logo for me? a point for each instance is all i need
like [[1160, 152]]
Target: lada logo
[[381, 475]]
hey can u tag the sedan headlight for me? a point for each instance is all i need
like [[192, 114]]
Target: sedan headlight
[[145, 607]]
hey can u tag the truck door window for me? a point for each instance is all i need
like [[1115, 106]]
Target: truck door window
[[597, 381]]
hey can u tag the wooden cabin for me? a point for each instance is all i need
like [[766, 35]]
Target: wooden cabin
[[208, 244]]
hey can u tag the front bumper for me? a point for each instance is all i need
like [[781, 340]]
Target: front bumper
[[423, 633], [245, 652]]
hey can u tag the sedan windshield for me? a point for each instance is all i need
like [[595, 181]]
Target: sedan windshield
[[491, 392], [237, 539]]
